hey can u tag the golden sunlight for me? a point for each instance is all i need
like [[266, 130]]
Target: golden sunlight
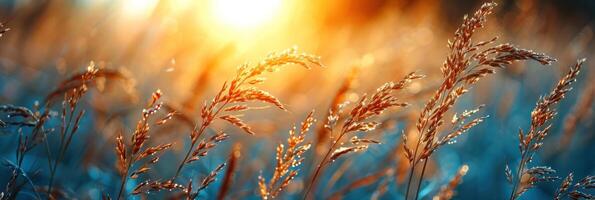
[[242, 14], [138, 8]]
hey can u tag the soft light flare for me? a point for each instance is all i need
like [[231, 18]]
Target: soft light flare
[[244, 13], [139, 8]]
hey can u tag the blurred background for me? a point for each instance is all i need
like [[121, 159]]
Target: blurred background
[[188, 48]]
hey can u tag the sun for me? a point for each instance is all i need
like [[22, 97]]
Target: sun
[[244, 13]]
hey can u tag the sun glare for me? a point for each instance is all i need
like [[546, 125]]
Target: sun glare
[[139, 8], [244, 13]]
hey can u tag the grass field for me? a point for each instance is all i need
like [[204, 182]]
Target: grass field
[[288, 99]]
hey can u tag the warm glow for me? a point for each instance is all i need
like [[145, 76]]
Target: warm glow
[[245, 13], [139, 8]]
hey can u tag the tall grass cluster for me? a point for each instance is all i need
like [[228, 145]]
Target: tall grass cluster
[[384, 143]]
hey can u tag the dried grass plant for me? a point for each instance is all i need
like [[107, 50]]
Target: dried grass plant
[[577, 190], [581, 112], [448, 191], [287, 161], [322, 135], [466, 64], [70, 118], [136, 159], [231, 100], [234, 159], [72, 89], [358, 120], [531, 141]]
